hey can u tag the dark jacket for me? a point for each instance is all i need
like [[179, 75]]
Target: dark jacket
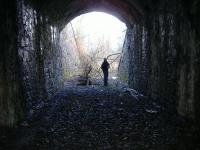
[[105, 66]]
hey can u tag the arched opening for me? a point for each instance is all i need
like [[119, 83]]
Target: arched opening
[[162, 49], [89, 38]]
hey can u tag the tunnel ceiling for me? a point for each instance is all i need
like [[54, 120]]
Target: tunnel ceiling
[[60, 12]]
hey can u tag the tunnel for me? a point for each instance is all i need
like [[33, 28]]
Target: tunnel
[[161, 52]]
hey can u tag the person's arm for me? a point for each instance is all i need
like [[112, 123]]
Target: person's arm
[[101, 66]]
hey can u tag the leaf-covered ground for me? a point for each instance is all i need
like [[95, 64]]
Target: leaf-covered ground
[[101, 118]]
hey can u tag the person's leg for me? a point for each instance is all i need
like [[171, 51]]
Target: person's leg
[[106, 79]]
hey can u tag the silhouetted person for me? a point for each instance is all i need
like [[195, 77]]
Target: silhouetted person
[[105, 66]]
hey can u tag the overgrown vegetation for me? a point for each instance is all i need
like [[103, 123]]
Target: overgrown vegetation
[[89, 56]]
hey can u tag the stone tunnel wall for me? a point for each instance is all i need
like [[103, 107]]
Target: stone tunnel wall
[[11, 93], [163, 50], [123, 69], [164, 58], [40, 54], [31, 60]]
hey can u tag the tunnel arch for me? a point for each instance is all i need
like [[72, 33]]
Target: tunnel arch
[[60, 12], [65, 21], [81, 39], [162, 43], [146, 22]]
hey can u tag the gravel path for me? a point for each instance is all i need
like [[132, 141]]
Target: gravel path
[[100, 118]]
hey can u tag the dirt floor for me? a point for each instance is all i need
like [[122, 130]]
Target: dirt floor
[[101, 118]]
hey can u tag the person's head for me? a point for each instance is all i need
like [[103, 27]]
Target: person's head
[[105, 59]]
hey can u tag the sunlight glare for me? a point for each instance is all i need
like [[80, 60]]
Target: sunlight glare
[[98, 24]]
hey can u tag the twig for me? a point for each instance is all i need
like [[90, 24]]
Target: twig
[[77, 45], [115, 59], [113, 55]]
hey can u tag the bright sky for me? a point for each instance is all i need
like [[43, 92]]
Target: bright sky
[[98, 24]]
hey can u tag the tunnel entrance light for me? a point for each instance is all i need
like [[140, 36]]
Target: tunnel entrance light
[[89, 38]]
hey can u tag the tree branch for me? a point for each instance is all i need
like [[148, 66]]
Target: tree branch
[[113, 55]]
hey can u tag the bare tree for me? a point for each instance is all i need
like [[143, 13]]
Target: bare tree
[[92, 54]]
